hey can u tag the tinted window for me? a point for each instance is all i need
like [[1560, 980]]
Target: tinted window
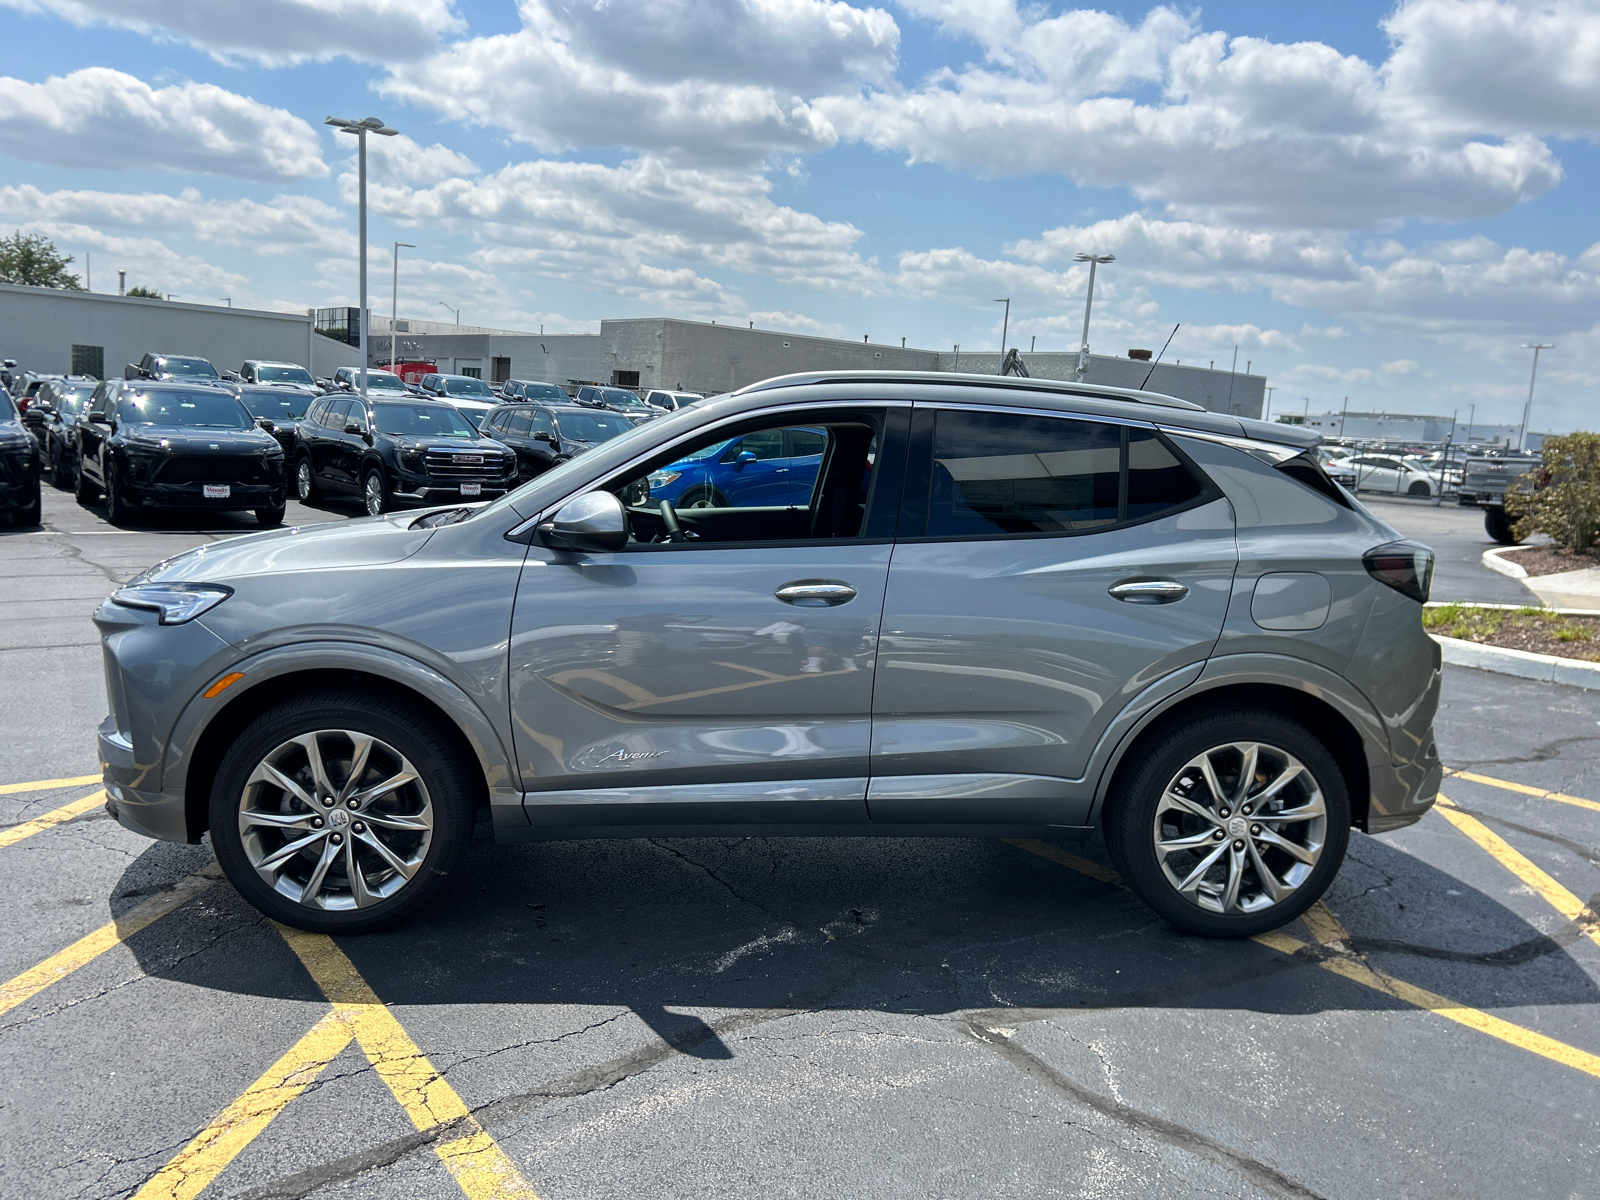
[[265, 374], [422, 420], [766, 444], [384, 382], [1156, 479], [803, 443], [333, 416], [543, 391], [592, 427], [540, 422], [272, 402], [519, 424], [1003, 473], [466, 387], [197, 408], [8, 410], [196, 367]]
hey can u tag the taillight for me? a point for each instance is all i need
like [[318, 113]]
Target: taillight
[[1405, 566]]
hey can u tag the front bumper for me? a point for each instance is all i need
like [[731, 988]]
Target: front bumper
[[18, 495], [153, 813], [423, 490], [240, 496]]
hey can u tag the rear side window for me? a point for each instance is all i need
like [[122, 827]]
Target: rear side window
[[518, 424], [1014, 474], [1306, 469]]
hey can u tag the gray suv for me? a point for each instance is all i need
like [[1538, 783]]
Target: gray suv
[[1002, 608]]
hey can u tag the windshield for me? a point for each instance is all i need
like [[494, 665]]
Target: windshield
[[422, 421], [475, 415], [618, 396], [591, 427], [381, 381], [279, 406], [197, 368], [69, 402], [544, 391], [197, 408], [466, 387], [285, 375]]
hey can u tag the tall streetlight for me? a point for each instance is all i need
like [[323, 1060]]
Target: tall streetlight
[[1527, 409], [1005, 327], [1094, 260], [457, 311], [361, 128], [394, 305], [1268, 413]]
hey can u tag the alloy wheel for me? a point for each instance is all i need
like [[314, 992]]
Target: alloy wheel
[[1240, 827], [302, 480], [372, 490], [335, 820]]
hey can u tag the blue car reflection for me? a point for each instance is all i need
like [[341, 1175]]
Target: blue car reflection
[[768, 468]]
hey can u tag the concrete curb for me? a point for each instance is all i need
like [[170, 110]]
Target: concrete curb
[[1546, 668], [1492, 560]]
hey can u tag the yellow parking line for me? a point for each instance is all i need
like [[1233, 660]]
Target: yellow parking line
[[480, 1168], [90, 947], [44, 785], [66, 812], [1506, 784], [218, 1144], [1327, 929], [1558, 897]]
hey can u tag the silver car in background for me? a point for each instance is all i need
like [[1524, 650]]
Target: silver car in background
[[1003, 608]]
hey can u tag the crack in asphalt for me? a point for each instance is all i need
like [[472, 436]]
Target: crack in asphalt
[[1253, 1171], [1588, 853], [1544, 753]]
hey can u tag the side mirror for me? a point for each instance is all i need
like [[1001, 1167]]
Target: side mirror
[[351, 427], [745, 459], [99, 419], [266, 424], [594, 521], [542, 436]]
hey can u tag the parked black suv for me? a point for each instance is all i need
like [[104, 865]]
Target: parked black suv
[[395, 451], [619, 399], [19, 467], [176, 445], [172, 366], [277, 409], [542, 435], [52, 418]]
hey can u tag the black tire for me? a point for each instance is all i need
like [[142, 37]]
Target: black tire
[[1161, 761], [1419, 489], [118, 511], [61, 476], [375, 497], [442, 769], [31, 516], [701, 497], [305, 481], [269, 518], [1498, 526], [83, 490]]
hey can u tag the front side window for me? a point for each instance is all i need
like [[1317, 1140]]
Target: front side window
[[998, 474], [518, 424], [193, 408]]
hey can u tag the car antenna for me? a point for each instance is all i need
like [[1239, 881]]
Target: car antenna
[[1164, 346]]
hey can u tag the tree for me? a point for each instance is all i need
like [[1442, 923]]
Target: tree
[[1561, 498], [146, 293], [32, 259]]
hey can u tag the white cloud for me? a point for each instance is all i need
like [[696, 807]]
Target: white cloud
[[273, 32], [1400, 366], [713, 81], [399, 159], [102, 118]]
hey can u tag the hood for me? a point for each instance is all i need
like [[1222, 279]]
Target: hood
[[178, 439], [365, 542]]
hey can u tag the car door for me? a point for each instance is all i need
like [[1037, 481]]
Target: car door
[[93, 429], [352, 447], [725, 679], [1047, 569], [324, 445]]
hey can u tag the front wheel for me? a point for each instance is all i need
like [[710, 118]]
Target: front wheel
[[83, 491], [1230, 823], [1498, 526], [341, 811], [32, 515], [270, 518], [305, 482], [118, 511], [375, 493], [1419, 489]]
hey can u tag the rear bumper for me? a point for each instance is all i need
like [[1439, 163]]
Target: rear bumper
[[1402, 794]]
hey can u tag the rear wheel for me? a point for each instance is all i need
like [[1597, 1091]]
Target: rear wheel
[[341, 812], [1498, 526], [305, 482], [375, 493], [1230, 823], [1419, 489]]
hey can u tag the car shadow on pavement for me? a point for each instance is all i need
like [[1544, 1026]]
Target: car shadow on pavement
[[913, 926]]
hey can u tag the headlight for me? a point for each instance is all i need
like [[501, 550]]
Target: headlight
[[661, 478], [176, 602]]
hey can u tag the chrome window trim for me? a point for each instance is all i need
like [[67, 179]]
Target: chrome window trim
[[1269, 452]]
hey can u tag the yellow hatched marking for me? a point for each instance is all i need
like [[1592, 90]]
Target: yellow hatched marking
[[90, 947], [1507, 785], [217, 1145], [475, 1160], [9, 837], [1327, 929], [1558, 897], [44, 785]]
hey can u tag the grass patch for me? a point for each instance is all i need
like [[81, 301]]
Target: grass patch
[[1535, 629]]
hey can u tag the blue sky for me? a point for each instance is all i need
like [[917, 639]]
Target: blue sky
[[1380, 201]]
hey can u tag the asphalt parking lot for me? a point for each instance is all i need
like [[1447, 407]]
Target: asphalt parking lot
[[773, 1017]]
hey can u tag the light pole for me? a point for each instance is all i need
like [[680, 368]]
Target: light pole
[[1094, 260], [1268, 413], [457, 311], [361, 128], [1472, 414], [1527, 409], [228, 300], [394, 304], [1005, 327]]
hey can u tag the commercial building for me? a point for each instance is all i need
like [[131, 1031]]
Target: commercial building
[[705, 357], [1403, 427], [95, 333]]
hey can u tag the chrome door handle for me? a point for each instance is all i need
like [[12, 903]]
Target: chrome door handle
[[1149, 591], [815, 593]]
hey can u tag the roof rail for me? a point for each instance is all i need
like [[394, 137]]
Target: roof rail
[[950, 379]]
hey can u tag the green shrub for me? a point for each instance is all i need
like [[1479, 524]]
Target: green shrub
[[1561, 499]]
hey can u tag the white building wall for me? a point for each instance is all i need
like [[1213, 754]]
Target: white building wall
[[39, 326]]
